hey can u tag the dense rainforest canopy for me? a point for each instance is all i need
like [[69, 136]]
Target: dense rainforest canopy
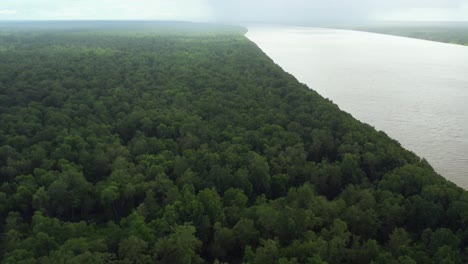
[[120, 145]]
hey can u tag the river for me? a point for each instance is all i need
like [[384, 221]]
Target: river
[[414, 90]]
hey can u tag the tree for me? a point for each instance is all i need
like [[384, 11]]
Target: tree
[[179, 247], [212, 205], [133, 250], [267, 253], [259, 174]]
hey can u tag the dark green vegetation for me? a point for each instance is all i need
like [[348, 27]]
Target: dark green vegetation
[[455, 33], [195, 148]]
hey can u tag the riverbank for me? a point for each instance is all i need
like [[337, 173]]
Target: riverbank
[[414, 90]]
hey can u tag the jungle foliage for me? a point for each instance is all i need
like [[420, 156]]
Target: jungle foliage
[[194, 147]]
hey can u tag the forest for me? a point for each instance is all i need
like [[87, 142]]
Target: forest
[[184, 143], [448, 32]]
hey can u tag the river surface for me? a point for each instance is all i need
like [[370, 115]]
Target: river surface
[[414, 90]]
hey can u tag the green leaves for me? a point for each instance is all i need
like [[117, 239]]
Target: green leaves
[[179, 247], [197, 148]]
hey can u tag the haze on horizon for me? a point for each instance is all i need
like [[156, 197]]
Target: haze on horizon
[[274, 11]]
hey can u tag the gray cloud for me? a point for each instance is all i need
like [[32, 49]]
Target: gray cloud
[[236, 10], [326, 10]]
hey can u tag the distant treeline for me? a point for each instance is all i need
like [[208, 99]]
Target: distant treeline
[[121, 27], [174, 147], [446, 32]]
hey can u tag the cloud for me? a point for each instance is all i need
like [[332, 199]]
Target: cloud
[[110, 9], [236, 10], [451, 10], [8, 12], [329, 10]]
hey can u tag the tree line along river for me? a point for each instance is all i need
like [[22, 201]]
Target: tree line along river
[[414, 90]]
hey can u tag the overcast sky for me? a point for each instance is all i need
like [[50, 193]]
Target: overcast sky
[[237, 10]]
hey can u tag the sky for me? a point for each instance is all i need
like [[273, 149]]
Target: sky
[[292, 11]]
